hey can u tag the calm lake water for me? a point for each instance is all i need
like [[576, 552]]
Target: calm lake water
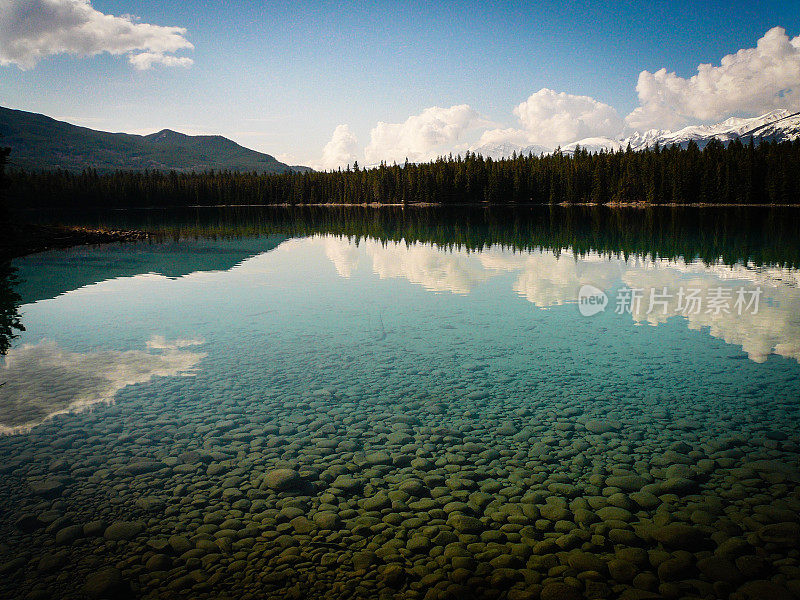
[[393, 404]]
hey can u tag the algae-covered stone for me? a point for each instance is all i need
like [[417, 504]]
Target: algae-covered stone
[[584, 561], [150, 503], [764, 590], [614, 513], [464, 523], [785, 534], [347, 483], [327, 520], [600, 426], [678, 535], [69, 534], [627, 483], [283, 480], [106, 583], [560, 591], [621, 570], [49, 488], [363, 560], [393, 575], [124, 530], [717, 568]]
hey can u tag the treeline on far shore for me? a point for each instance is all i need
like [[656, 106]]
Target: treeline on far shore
[[736, 173]]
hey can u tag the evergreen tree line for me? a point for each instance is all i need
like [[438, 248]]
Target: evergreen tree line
[[4, 215], [761, 236], [10, 321], [736, 173]]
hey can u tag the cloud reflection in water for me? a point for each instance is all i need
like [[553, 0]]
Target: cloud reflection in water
[[43, 380], [547, 279]]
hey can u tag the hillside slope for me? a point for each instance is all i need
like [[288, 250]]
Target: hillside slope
[[40, 142]]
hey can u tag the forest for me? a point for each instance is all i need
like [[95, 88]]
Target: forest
[[736, 173], [10, 321]]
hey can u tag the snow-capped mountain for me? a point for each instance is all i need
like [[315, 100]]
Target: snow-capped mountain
[[778, 125], [497, 151], [595, 144]]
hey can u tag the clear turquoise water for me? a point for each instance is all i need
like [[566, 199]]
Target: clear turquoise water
[[475, 372]]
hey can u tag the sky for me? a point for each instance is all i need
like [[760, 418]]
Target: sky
[[327, 83]]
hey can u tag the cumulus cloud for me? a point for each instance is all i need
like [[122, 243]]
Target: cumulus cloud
[[554, 118], [145, 60], [509, 135], [340, 151], [421, 137], [31, 30], [753, 80]]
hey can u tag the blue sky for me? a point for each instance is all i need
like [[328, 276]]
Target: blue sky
[[281, 76]]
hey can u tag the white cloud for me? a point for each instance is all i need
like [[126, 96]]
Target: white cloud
[[510, 135], [555, 118], [31, 30], [145, 60], [421, 137], [340, 151], [753, 80]]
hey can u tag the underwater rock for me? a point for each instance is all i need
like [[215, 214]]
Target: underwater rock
[[124, 530], [785, 534], [464, 523], [283, 480], [106, 583], [678, 535], [600, 426], [560, 591], [48, 488]]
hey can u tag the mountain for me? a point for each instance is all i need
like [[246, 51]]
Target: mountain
[[39, 142], [497, 151], [595, 144], [778, 125]]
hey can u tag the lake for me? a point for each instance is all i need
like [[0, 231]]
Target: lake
[[357, 403]]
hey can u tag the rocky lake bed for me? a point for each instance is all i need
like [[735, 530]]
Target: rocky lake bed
[[447, 448], [337, 498]]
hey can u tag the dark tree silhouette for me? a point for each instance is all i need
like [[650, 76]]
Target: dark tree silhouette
[[734, 174]]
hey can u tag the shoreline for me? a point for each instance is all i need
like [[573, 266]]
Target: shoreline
[[640, 205], [25, 239]]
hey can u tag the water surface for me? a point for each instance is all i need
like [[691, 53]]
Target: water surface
[[301, 413]]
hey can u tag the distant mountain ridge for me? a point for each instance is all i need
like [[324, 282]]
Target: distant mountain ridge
[[778, 125], [506, 150], [39, 142]]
